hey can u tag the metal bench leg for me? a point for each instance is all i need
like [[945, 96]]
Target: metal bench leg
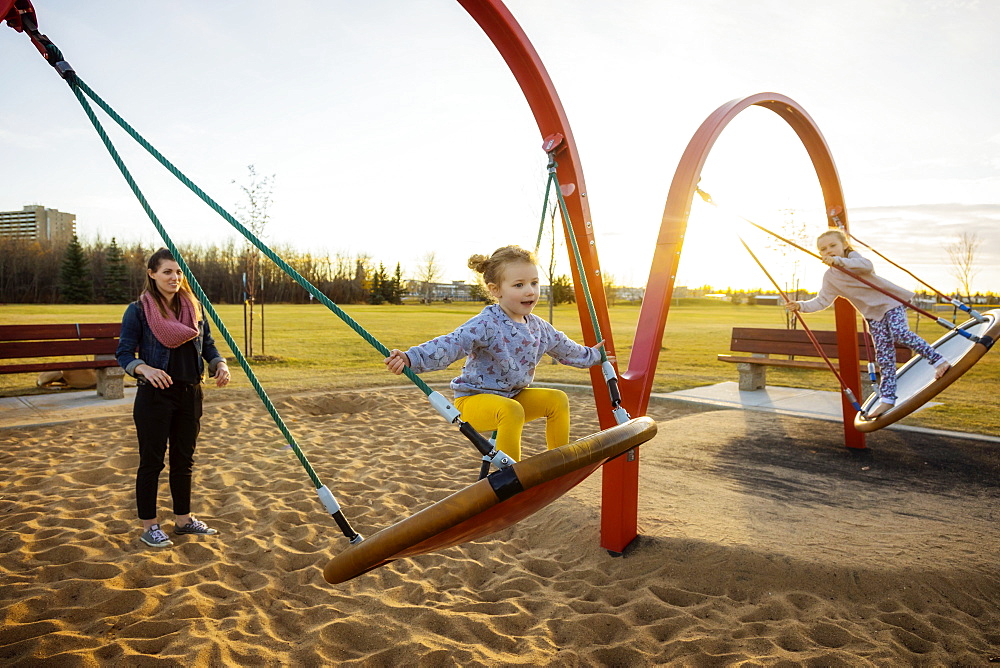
[[752, 376]]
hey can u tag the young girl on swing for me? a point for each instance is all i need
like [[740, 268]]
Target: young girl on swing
[[886, 316], [504, 344]]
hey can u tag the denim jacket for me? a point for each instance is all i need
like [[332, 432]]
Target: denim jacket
[[137, 336]]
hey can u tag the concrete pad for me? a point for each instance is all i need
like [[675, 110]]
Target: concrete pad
[[787, 486], [784, 400], [63, 406], [795, 402]]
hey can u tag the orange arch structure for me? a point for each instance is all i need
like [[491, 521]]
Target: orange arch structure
[[620, 510], [637, 380]]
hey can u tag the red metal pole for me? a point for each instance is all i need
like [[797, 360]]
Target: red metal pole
[[620, 477], [508, 37], [6, 7]]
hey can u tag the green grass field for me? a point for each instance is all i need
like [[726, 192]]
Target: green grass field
[[316, 350]]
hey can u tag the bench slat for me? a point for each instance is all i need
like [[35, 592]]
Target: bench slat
[[777, 361], [775, 348], [91, 330], [54, 348], [52, 366], [824, 336], [21, 343], [796, 342]]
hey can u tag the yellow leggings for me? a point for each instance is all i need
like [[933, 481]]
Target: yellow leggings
[[488, 412]]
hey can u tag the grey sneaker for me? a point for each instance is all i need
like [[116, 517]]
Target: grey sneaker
[[154, 536], [197, 527]]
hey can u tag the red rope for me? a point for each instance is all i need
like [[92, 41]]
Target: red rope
[[812, 337], [850, 273], [834, 214]]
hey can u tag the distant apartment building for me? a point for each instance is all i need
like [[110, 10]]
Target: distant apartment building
[[38, 223], [456, 291]]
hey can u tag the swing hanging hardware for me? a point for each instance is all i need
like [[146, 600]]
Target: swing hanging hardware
[[22, 19], [705, 196], [553, 143], [835, 217]]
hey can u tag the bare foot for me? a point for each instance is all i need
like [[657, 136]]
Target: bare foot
[[878, 410], [941, 370]]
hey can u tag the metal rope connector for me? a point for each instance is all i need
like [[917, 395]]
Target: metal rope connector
[[705, 196], [850, 397], [65, 70]]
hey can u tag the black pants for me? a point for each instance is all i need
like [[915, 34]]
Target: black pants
[[172, 415]]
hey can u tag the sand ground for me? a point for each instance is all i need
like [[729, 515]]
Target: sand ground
[[763, 542]]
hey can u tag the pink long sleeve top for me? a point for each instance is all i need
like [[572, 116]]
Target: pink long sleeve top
[[871, 303]]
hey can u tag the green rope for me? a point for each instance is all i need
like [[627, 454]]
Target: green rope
[[436, 400], [270, 254], [581, 270], [195, 286], [545, 210]]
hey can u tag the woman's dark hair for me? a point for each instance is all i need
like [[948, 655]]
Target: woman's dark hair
[[153, 265]]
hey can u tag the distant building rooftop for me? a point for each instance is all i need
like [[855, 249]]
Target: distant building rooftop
[[37, 223]]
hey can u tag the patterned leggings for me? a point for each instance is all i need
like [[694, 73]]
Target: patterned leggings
[[486, 412], [886, 332]]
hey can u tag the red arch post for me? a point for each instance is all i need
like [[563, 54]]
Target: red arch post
[[620, 477], [508, 37], [637, 381]]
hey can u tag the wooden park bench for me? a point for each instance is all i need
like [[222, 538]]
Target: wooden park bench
[[25, 344], [788, 345]]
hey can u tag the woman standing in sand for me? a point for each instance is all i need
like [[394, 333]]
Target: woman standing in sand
[[164, 345], [504, 344]]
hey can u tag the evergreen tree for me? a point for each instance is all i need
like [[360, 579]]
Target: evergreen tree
[[562, 290], [74, 279], [116, 281], [396, 287], [376, 292], [478, 292], [390, 290]]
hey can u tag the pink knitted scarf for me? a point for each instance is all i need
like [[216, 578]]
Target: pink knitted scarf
[[169, 330]]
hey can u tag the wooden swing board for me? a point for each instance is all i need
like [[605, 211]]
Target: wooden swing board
[[478, 511], [916, 384]]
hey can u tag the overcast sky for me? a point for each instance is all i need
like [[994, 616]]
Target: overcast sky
[[394, 128]]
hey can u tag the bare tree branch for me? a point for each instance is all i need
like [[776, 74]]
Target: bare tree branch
[[428, 273], [963, 260]]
